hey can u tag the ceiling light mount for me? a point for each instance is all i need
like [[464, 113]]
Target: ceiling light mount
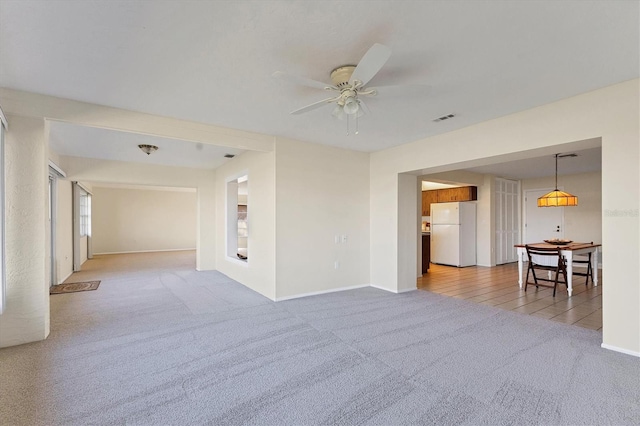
[[341, 75], [557, 198], [148, 149]]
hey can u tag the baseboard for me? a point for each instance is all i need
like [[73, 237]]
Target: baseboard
[[65, 278], [621, 350], [406, 290], [316, 293], [143, 251]]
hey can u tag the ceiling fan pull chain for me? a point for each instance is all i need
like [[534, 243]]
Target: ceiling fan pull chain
[[356, 124], [347, 117]]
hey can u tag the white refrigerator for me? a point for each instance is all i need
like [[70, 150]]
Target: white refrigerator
[[453, 234]]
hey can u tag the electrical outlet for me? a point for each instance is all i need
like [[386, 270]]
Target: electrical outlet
[[337, 239], [344, 239], [336, 265]]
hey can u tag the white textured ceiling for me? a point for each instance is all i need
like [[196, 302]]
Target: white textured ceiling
[[81, 141], [212, 61], [585, 161]]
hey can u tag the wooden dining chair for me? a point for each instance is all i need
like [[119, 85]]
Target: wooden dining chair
[[581, 260], [547, 260]]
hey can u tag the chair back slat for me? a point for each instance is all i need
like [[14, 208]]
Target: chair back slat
[[543, 255]]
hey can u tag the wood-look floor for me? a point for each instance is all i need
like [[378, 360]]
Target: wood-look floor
[[498, 286]]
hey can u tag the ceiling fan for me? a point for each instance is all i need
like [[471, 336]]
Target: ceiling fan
[[349, 85]]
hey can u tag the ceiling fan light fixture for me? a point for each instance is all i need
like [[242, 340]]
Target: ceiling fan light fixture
[[338, 112], [351, 106], [557, 198], [148, 149]]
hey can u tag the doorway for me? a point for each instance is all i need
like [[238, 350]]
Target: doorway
[[237, 229]]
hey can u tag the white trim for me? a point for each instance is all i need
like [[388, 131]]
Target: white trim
[[406, 290], [143, 251], [65, 278], [621, 350], [316, 293], [57, 169], [84, 188], [3, 119]]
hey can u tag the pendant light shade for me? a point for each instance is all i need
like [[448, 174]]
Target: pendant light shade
[[557, 198]]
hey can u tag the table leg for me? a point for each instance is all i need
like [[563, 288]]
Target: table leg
[[520, 261], [569, 258], [594, 267]]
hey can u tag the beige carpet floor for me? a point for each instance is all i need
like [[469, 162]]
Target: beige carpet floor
[[162, 344]]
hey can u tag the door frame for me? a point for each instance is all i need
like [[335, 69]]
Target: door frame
[[54, 174]]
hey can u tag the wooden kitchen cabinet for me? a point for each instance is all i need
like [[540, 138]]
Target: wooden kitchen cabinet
[[462, 193], [426, 252], [428, 197]]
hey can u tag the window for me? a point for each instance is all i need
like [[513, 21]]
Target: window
[[85, 213]]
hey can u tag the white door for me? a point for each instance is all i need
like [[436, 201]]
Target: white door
[[507, 220], [541, 223]]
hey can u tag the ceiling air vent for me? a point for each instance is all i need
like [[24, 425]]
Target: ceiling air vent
[[229, 155], [444, 117]]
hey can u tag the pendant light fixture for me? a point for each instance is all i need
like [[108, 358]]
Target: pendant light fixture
[[558, 198]]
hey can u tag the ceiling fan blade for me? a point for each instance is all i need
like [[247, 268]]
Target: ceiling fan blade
[[364, 107], [400, 90], [303, 81], [371, 63], [313, 106]]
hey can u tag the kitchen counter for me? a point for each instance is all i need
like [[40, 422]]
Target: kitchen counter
[[426, 251]]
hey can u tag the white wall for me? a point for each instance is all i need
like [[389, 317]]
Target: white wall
[[258, 272], [407, 227], [584, 221], [134, 220], [26, 318], [611, 113], [321, 192], [118, 172]]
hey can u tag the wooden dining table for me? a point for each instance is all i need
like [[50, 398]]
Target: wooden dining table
[[567, 251]]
